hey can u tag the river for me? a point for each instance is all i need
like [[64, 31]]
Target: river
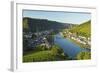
[[69, 48]]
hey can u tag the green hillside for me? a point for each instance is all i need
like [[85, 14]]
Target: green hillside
[[83, 29], [32, 24], [42, 54]]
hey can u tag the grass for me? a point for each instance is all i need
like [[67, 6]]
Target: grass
[[54, 54], [38, 56]]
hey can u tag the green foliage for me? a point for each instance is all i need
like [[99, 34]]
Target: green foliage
[[83, 29], [56, 50], [41, 48], [41, 54], [33, 24], [25, 45], [84, 56], [33, 36], [25, 25], [50, 39]]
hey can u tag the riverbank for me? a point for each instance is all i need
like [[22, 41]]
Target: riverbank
[[78, 41], [74, 51]]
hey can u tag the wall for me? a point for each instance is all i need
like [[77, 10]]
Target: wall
[[5, 33]]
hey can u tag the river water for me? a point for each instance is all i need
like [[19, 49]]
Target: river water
[[69, 48]]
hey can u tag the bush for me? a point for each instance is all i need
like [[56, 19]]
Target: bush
[[84, 56], [54, 54]]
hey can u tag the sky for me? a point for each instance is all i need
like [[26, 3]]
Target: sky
[[60, 16]]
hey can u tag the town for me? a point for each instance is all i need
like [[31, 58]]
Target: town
[[79, 39], [38, 38]]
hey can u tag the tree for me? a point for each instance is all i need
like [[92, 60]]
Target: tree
[[33, 36], [84, 56]]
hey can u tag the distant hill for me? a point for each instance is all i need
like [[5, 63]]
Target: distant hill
[[32, 24], [83, 29]]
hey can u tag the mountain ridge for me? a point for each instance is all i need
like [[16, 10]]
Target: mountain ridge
[[31, 24]]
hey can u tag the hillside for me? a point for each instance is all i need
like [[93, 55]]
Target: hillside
[[32, 24], [83, 29]]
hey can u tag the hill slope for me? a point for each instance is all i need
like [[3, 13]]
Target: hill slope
[[83, 29], [32, 24]]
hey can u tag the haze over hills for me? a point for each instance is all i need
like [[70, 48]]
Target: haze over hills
[[32, 24]]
